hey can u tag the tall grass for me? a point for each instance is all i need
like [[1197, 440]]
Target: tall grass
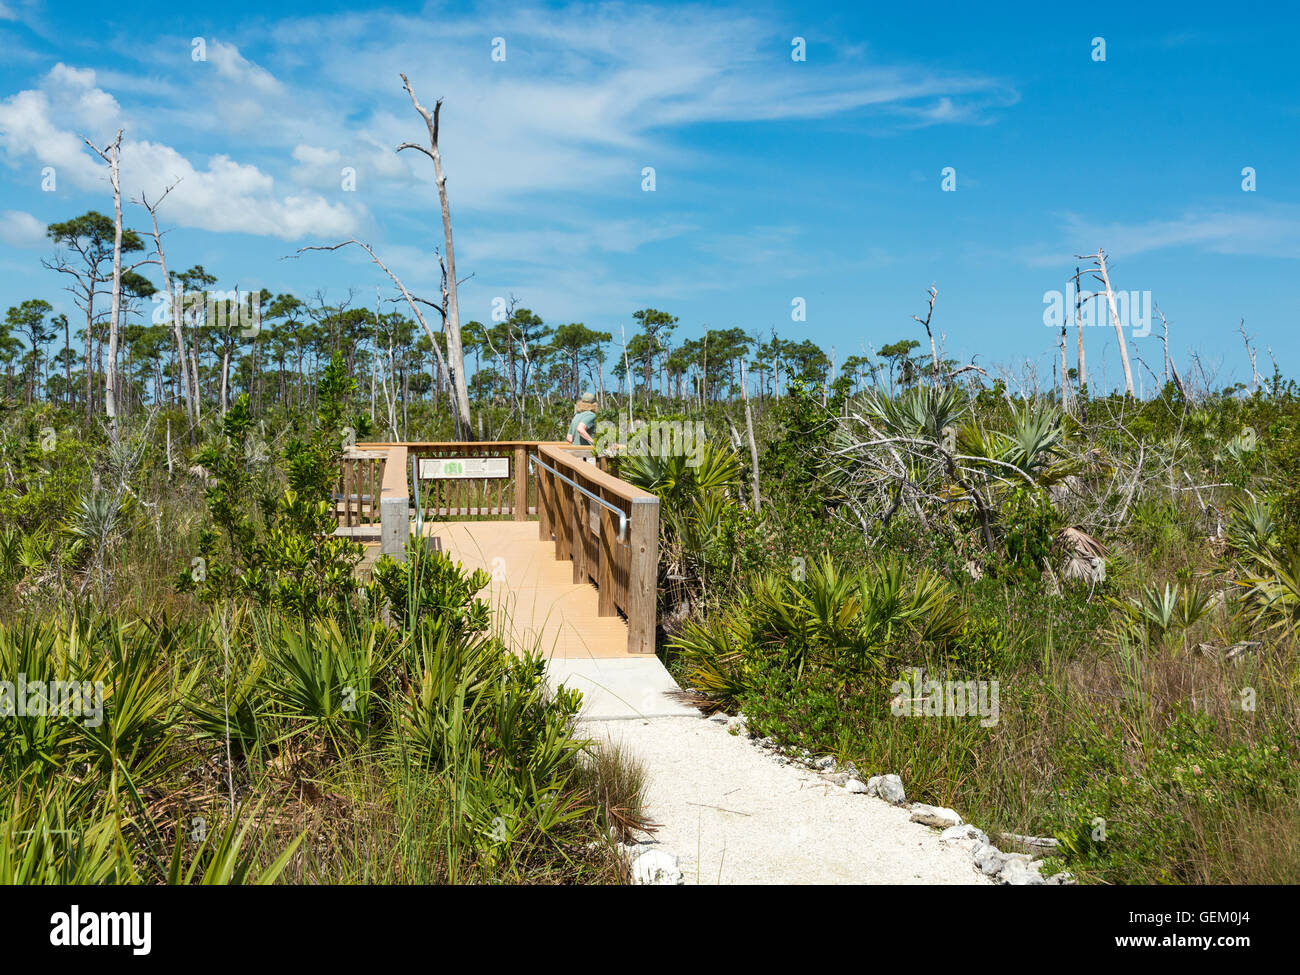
[[253, 745]]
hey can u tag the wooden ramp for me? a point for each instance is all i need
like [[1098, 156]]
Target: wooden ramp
[[533, 593], [578, 583]]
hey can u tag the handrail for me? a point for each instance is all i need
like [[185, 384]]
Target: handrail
[[621, 559], [419, 513], [622, 515], [593, 474], [457, 444]]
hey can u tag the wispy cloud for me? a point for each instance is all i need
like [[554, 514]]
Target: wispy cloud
[[44, 127], [1272, 231], [537, 146], [20, 229]]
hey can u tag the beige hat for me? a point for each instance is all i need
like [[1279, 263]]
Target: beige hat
[[584, 404]]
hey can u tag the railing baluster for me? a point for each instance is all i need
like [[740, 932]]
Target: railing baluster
[[643, 575], [520, 469], [579, 535]]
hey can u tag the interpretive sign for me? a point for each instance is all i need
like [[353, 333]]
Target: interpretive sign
[[433, 468]]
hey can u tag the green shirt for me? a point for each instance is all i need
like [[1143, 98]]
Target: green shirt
[[587, 419]]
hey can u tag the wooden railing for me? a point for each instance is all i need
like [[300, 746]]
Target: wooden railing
[[506, 493], [394, 504], [357, 490], [609, 529]]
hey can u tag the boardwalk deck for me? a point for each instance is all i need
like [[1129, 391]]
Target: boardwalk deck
[[545, 609], [577, 583]]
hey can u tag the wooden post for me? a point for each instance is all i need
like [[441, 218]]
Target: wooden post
[[643, 575], [521, 484], [394, 505], [349, 477], [581, 529], [545, 503], [563, 521], [605, 566]]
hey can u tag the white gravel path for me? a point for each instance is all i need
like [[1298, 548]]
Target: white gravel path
[[733, 815]]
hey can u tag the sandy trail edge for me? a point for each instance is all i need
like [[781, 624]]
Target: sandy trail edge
[[733, 815]]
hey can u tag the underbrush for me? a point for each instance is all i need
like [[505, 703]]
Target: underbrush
[[1137, 764], [1133, 633], [253, 745]]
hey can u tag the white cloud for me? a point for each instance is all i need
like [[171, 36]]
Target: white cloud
[[587, 93], [233, 66], [229, 196], [20, 229], [226, 195], [1272, 232]]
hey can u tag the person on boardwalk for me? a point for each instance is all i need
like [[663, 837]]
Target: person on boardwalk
[[582, 428]]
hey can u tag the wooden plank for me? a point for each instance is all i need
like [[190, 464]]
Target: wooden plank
[[520, 472], [563, 520], [349, 475], [545, 508], [591, 476], [606, 604], [578, 534], [539, 606], [643, 576]]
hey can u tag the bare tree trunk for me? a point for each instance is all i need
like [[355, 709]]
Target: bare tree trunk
[[1078, 327], [225, 380], [176, 302], [749, 432], [1254, 373], [90, 356], [934, 352], [1065, 374], [1100, 258], [451, 320], [1169, 359], [627, 366], [194, 363], [67, 360], [110, 154]]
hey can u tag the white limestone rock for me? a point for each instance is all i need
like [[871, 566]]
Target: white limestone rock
[[965, 835], [656, 868], [940, 817], [891, 790]]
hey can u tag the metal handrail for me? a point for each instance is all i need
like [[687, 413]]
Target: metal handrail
[[622, 515], [415, 486]]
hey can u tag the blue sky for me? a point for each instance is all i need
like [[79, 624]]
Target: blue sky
[[774, 179]]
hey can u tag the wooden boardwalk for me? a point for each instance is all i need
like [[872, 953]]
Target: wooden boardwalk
[[578, 583], [534, 593]]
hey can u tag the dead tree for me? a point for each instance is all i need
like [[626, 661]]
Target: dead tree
[[929, 313], [1065, 374], [412, 302], [176, 302], [1102, 274], [749, 432], [1078, 327], [1254, 372], [111, 154], [451, 306], [1171, 367]]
